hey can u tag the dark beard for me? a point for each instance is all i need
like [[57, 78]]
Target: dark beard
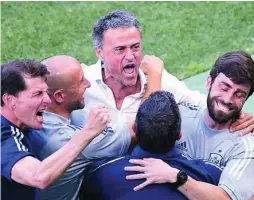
[[75, 106], [219, 116]]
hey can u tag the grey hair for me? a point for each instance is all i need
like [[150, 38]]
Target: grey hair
[[115, 19]]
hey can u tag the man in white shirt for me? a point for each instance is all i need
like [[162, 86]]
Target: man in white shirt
[[116, 79]]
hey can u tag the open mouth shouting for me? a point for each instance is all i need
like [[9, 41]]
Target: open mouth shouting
[[39, 115], [129, 70]]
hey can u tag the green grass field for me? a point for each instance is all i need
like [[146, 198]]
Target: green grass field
[[188, 36]]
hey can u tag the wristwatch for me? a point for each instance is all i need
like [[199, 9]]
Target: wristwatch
[[181, 178]]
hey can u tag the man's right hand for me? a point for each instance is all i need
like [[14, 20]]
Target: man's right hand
[[98, 119]]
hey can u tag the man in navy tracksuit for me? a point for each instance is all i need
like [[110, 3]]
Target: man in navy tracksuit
[[157, 127]]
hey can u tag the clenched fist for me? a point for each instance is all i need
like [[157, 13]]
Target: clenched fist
[[152, 65], [98, 119]]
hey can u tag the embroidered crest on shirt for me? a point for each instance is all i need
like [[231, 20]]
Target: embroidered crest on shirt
[[215, 158]]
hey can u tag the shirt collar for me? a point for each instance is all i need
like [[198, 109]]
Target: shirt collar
[[49, 117], [6, 122], [138, 152], [98, 75]]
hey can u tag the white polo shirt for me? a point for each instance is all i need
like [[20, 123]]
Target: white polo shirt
[[99, 93]]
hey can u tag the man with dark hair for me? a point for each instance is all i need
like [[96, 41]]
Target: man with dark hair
[[206, 134], [24, 98], [66, 86], [157, 127]]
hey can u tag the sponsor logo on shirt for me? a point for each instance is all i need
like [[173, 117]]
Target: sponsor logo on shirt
[[182, 146], [188, 105]]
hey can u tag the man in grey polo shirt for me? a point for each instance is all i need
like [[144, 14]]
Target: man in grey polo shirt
[[67, 84]]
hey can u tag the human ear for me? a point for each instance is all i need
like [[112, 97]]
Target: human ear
[[9, 101], [99, 53], [58, 96], [208, 82]]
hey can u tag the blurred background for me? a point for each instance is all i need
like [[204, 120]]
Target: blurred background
[[187, 36]]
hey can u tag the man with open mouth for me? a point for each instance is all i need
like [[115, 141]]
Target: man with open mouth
[[24, 99]]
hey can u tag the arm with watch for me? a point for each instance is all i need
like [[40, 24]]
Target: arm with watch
[[157, 171]]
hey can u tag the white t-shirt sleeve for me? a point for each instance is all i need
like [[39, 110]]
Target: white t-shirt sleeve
[[237, 176], [182, 94]]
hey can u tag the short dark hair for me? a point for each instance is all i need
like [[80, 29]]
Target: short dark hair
[[115, 19], [13, 72], [158, 123], [236, 65]]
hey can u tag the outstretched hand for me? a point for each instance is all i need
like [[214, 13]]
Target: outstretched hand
[[153, 170]]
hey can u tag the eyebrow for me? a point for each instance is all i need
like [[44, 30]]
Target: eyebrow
[[123, 46], [225, 83], [40, 90]]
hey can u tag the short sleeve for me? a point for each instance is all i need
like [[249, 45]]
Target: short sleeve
[[12, 149], [236, 178]]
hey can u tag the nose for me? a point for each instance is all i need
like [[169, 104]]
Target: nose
[[129, 54], [87, 83], [46, 99], [228, 99]]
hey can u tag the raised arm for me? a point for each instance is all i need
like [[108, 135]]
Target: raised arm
[[153, 67], [40, 174], [159, 78]]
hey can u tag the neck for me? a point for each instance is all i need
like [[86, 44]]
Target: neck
[[53, 108], [214, 125], [121, 91], [10, 116]]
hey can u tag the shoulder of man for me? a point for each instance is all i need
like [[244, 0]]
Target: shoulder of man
[[90, 70], [189, 110], [243, 144]]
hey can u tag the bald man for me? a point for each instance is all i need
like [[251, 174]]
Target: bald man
[[66, 85]]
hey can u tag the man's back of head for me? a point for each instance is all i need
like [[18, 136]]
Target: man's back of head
[[158, 123]]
